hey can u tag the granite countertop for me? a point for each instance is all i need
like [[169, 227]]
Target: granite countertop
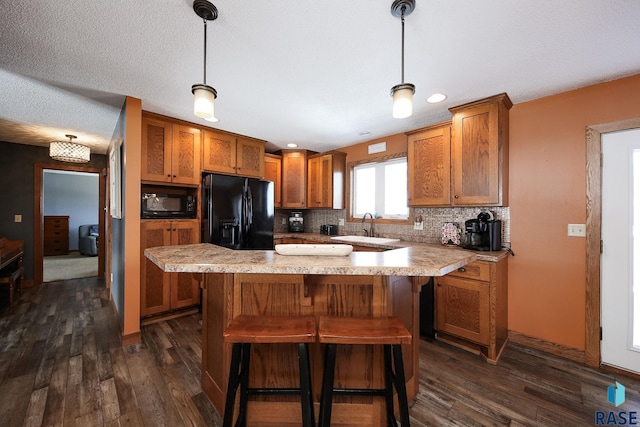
[[408, 260], [317, 237]]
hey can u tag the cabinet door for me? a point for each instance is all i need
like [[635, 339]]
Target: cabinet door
[[155, 285], [219, 152], [250, 158], [185, 290], [273, 172], [294, 180], [185, 164], [480, 152], [462, 308], [429, 167], [320, 182], [156, 150]]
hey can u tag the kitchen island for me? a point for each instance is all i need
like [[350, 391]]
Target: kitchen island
[[265, 283]]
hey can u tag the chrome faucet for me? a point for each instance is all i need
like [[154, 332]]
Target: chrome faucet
[[368, 233]]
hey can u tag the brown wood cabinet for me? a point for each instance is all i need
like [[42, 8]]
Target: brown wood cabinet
[[326, 180], [56, 235], [170, 152], [480, 152], [273, 172], [159, 291], [429, 166], [471, 308], [230, 154], [294, 179]]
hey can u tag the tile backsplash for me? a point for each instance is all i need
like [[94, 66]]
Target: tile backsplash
[[433, 218]]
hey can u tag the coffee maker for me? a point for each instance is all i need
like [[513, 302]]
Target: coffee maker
[[483, 233], [296, 222]]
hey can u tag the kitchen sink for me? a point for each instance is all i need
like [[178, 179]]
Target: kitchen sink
[[364, 239]]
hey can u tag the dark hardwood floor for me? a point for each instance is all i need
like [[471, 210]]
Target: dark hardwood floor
[[61, 363]]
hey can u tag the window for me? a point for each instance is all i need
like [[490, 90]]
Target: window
[[380, 189]]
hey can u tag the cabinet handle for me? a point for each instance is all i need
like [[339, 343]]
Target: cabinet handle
[[456, 197], [462, 269], [169, 175], [439, 284], [174, 176]]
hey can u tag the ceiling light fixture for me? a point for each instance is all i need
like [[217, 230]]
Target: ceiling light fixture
[[292, 145], [403, 93], [69, 151], [204, 95], [436, 97]]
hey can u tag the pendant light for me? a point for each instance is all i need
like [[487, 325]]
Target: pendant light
[[403, 93], [204, 95], [69, 151]]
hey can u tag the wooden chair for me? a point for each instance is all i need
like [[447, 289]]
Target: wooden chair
[[245, 330], [386, 331]]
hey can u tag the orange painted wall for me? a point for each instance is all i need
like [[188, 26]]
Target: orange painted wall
[[131, 215], [396, 143], [547, 182]]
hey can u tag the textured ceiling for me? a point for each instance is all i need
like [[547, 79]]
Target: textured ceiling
[[316, 73]]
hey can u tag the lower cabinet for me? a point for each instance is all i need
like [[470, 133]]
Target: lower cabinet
[[471, 308], [159, 291]]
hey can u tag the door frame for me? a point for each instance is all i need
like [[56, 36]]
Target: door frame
[[38, 223], [594, 232]]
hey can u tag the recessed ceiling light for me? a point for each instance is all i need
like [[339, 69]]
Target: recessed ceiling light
[[213, 119], [291, 145], [436, 97]]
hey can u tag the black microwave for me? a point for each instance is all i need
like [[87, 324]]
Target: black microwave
[[168, 206]]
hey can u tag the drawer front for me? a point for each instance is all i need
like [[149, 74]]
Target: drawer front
[[476, 270]]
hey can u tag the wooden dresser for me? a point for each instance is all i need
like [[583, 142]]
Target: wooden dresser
[[56, 235]]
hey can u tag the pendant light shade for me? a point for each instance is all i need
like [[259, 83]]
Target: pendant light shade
[[204, 101], [69, 151], [403, 93], [204, 95], [403, 100]]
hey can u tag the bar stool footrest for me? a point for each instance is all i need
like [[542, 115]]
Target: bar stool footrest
[[360, 391]]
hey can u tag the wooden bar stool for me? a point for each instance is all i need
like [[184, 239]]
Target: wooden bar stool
[[245, 330], [386, 331]]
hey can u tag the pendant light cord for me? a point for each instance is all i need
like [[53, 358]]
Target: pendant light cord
[[401, 19], [205, 51]]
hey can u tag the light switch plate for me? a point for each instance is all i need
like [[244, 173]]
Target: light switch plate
[[17, 218], [341, 221], [577, 230], [418, 225]]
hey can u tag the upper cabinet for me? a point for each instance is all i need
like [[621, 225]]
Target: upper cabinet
[[294, 179], [429, 166], [273, 172], [230, 154], [465, 163], [326, 180], [170, 152], [480, 152]]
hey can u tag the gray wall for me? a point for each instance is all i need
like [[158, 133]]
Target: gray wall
[[117, 230], [16, 192], [73, 194]]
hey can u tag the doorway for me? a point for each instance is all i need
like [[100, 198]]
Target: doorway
[[70, 209], [39, 208], [620, 259]]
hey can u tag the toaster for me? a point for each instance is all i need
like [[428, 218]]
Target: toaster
[[329, 229]]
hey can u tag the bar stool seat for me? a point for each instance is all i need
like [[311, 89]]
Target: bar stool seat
[[387, 331], [245, 330]]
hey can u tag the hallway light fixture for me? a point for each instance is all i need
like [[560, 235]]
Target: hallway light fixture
[[203, 95], [69, 151], [403, 93]]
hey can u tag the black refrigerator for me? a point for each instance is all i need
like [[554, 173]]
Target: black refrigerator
[[238, 212]]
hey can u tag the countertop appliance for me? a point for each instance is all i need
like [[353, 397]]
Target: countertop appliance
[[296, 222], [238, 212], [483, 233], [329, 229], [167, 206]]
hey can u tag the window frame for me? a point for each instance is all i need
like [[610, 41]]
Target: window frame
[[349, 189]]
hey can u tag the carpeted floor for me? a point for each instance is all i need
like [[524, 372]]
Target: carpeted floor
[[72, 266]]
